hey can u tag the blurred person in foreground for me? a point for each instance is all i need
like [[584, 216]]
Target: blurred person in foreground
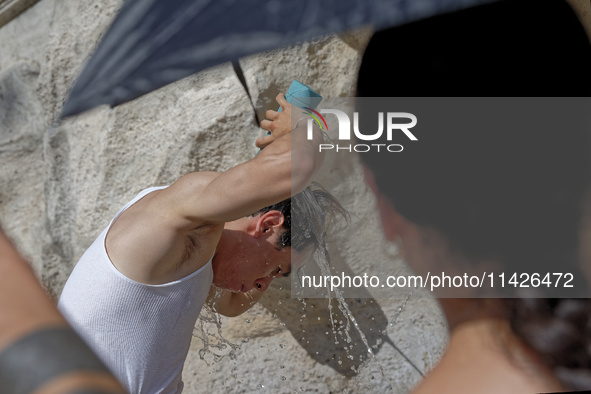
[[39, 352], [210, 237], [517, 199]]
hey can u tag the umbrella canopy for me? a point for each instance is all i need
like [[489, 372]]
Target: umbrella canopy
[[152, 43]]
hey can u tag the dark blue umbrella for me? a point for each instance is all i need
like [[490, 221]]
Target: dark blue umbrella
[[152, 43]]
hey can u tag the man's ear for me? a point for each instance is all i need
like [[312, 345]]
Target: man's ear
[[269, 221]]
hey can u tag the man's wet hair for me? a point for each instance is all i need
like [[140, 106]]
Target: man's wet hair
[[306, 217]]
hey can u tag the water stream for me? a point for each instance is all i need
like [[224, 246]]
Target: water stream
[[322, 259]]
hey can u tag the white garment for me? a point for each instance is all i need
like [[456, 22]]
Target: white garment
[[141, 332]]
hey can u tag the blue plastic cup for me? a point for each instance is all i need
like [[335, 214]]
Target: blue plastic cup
[[302, 96]]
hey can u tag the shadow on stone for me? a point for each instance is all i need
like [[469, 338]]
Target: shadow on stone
[[341, 346]]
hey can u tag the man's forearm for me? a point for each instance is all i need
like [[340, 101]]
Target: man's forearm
[[306, 156], [282, 169]]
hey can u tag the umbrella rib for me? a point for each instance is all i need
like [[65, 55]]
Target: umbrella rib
[[240, 74]]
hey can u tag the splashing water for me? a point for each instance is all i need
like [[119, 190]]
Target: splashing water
[[215, 345]]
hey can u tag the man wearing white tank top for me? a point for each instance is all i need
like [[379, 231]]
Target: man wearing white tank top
[[136, 293]]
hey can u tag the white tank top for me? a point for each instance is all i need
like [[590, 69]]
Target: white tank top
[[141, 332]]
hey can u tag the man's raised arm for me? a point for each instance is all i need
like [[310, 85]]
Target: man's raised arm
[[284, 167]]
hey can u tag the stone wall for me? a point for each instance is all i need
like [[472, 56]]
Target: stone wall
[[62, 183]]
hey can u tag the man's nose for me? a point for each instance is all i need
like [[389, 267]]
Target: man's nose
[[263, 283]]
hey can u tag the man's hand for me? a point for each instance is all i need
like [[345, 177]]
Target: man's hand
[[278, 123]]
